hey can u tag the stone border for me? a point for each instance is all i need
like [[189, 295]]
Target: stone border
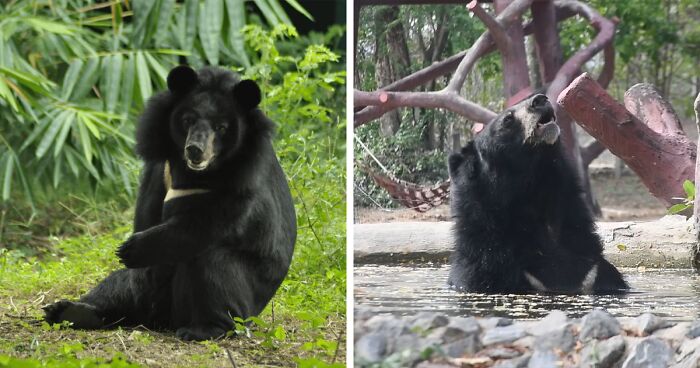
[[665, 243], [434, 340]]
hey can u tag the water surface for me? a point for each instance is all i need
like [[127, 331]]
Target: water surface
[[405, 290]]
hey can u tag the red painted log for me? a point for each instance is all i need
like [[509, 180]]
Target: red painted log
[[662, 161]]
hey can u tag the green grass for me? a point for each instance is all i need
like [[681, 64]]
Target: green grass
[[304, 324]]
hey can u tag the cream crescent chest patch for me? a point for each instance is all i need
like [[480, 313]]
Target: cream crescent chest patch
[[173, 193]]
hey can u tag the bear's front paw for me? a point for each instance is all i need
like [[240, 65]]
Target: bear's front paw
[[131, 253]]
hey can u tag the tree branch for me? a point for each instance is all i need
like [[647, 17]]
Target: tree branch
[[662, 161], [591, 151], [498, 32], [646, 103], [606, 33], [511, 13], [440, 99]]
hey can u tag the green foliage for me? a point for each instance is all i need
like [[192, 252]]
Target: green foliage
[[67, 361], [687, 202], [308, 311], [74, 75]]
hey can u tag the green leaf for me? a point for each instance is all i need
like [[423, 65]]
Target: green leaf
[[164, 13], [71, 78], [50, 133], [62, 135], [127, 92], [142, 11], [192, 15], [267, 11], [85, 142], [113, 78], [7, 181], [294, 4], [279, 12], [622, 247], [676, 208], [88, 77], [57, 172], [144, 77], [235, 9], [7, 95], [157, 67], [689, 188], [211, 17]]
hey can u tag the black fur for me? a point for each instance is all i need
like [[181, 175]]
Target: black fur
[[196, 261], [518, 208]]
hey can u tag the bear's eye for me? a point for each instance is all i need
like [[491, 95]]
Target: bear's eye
[[508, 119], [188, 120], [221, 127]]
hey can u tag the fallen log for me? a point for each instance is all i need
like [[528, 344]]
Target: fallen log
[[665, 243]]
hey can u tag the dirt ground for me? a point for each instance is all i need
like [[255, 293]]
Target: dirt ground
[[621, 199]]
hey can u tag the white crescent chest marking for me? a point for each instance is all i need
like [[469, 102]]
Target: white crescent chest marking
[[589, 280], [177, 193], [535, 283]]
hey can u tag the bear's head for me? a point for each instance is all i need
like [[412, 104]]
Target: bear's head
[[212, 114], [530, 122], [506, 151]]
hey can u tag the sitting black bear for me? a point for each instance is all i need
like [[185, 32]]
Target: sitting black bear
[[521, 224], [215, 227]]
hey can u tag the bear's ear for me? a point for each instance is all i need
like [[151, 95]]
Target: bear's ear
[[247, 94], [182, 79]]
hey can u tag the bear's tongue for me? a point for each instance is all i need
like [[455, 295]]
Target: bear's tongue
[[548, 132]]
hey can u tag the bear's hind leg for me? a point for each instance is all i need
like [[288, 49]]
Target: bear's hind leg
[[120, 299]]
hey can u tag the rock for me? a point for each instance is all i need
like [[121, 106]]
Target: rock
[[554, 320], [500, 352], [647, 323], [525, 343], [690, 361], [433, 365], [370, 348], [457, 329], [651, 352], [675, 333], [603, 353], [598, 324], [500, 335], [694, 330], [412, 348], [466, 346], [543, 359], [560, 338], [520, 362], [689, 347], [425, 321], [388, 324], [491, 322]]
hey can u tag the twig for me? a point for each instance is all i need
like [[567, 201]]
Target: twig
[[230, 358], [337, 347]]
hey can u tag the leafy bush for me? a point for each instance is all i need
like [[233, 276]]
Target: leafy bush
[[74, 74]]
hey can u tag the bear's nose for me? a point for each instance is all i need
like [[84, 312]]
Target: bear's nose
[[539, 100], [194, 153]]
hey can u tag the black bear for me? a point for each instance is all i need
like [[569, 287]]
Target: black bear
[[521, 224], [215, 226]]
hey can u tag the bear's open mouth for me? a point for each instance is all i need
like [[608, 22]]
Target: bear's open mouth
[[546, 128], [197, 166]]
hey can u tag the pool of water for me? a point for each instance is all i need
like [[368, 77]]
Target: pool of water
[[402, 290]]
